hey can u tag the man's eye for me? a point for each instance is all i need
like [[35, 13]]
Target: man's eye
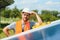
[[22, 12]]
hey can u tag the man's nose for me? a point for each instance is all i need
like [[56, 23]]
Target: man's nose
[[25, 16]]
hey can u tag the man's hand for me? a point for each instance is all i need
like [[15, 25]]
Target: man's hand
[[6, 31], [33, 13], [37, 16]]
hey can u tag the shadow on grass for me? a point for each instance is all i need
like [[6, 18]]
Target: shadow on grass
[[2, 25], [1, 31]]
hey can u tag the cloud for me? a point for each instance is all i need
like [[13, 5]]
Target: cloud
[[52, 3], [42, 7], [37, 4], [28, 1]]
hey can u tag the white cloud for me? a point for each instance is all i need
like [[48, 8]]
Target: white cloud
[[42, 7], [52, 3], [28, 1], [36, 4]]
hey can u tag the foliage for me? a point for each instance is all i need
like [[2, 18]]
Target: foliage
[[46, 15], [11, 15], [35, 10], [4, 3]]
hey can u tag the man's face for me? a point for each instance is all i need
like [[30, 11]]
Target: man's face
[[25, 16]]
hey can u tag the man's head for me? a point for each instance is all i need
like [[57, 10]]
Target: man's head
[[25, 14]]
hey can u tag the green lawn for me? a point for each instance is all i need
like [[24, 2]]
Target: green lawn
[[3, 23], [2, 35], [8, 20]]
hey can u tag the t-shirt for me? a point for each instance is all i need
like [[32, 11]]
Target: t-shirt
[[13, 25]]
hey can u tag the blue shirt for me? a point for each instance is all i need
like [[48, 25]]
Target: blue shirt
[[13, 25]]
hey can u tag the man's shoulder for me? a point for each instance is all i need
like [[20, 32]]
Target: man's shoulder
[[11, 25], [31, 22]]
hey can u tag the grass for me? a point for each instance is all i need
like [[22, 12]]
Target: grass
[[3, 23], [8, 20], [2, 35]]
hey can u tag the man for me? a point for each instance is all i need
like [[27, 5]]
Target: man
[[24, 24]]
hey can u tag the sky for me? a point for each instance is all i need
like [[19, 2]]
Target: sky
[[37, 4]]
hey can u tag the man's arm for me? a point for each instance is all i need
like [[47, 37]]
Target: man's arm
[[7, 28], [38, 18], [6, 31]]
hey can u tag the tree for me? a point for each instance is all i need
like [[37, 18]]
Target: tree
[[6, 13], [15, 12], [45, 12], [47, 15], [58, 15], [4, 3], [54, 13], [35, 11]]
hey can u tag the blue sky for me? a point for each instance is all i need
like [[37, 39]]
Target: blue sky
[[37, 4]]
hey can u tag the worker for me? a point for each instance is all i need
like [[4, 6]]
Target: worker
[[23, 24]]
